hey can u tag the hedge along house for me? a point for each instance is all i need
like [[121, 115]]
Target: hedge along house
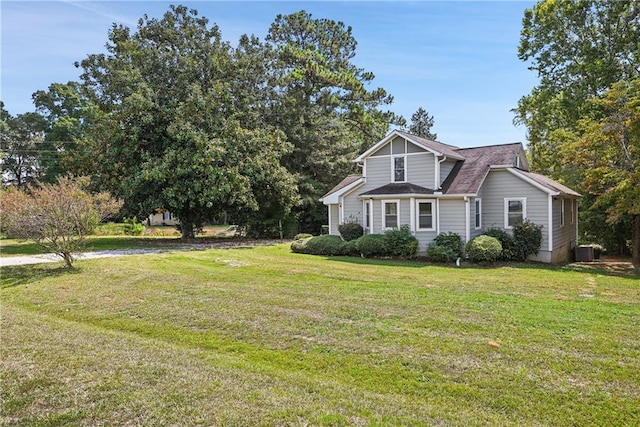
[[437, 188]]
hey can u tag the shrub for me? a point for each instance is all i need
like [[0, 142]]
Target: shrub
[[450, 240], [506, 240], [300, 236], [349, 249], [372, 245], [484, 249], [299, 246], [528, 239], [132, 227], [437, 253], [350, 231], [109, 229], [401, 243], [327, 245]]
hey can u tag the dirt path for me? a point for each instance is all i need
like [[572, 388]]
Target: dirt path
[[44, 258]]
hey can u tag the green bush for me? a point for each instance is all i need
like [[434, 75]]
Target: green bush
[[484, 249], [401, 243], [300, 236], [299, 246], [451, 241], [509, 252], [349, 249], [437, 253], [372, 245], [132, 227], [327, 245], [350, 231], [109, 229], [528, 239]]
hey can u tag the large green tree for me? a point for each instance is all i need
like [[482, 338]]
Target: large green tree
[[168, 131], [579, 50], [21, 147], [608, 151], [322, 104]]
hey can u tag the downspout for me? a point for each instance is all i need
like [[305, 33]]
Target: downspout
[[467, 219], [550, 225], [438, 175]]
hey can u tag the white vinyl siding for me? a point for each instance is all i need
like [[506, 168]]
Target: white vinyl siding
[[334, 219], [421, 169]]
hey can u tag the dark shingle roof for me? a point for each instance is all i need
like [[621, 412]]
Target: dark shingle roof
[[467, 176], [350, 179], [446, 149], [549, 183], [398, 188]]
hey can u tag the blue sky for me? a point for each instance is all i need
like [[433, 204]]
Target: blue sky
[[458, 60]]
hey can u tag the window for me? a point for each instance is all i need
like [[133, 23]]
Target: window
[[399, 170], [391, 213], [426, 214], [562, 213], [515, 211], [367, 215], [478, 213], [572, 212]]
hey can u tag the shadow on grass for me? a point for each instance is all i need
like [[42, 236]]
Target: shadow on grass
[[20, 275]]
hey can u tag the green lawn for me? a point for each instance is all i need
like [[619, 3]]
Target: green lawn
[[264, 337]]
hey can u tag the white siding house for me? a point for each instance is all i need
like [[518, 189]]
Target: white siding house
[[437, 188]]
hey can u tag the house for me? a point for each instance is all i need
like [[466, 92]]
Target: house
[[162, 217], [437, 188]]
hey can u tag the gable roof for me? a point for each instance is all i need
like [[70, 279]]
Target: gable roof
[[437, 148], [467, 176], [548, 183], [346, 184]]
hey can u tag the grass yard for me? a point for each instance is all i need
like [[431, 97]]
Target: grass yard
[[264, 337]]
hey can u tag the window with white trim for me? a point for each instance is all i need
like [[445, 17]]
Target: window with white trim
[[426, 214], [515, 211], [391, 210], [562, 213], [478, 213], [399, 169], [367, 215]]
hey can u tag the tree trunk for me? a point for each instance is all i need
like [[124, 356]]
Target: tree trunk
[[635, 241], [188, 232], [68, 259]]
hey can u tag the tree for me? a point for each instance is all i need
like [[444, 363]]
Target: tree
[[22, 137], [608, 151], [421, 124], [69, 114], [579, 50], [168, 128], [58, 217], [322, 105]]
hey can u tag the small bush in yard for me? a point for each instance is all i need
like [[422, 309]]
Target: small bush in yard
[[299, 246], [327, 245], [450, 240], [132, 227], [349, 249], [484, 249], [372, 245], [350, 231], [437, 253], [528, 239], [506, 240], [401, 243]]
